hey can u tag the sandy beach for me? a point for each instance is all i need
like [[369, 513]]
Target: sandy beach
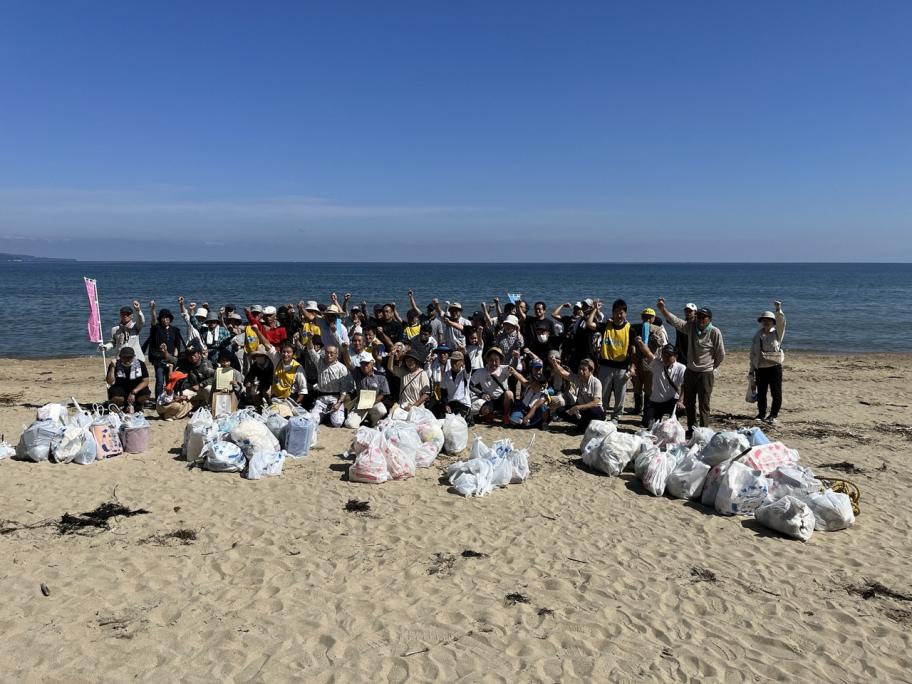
[[283, 583]]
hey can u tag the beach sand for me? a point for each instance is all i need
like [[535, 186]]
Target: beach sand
[[282, 583]]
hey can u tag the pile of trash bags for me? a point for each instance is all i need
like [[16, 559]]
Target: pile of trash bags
[[736, 472], [253, 444], [396, 448], [83, 437], [496, 466]]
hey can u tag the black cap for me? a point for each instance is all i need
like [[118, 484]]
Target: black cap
[[670, 350], [125, 310], [703, 311]]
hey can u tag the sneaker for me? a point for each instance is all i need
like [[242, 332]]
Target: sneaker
[[771, 420], [759, 417]]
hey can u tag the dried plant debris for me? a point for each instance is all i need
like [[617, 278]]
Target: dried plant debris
[[844, 466], [699, 574], [870, 590], [896, 429], [97, 518], [516, 597], [356, 506], [469, 553], [442, 564], [182, 536]]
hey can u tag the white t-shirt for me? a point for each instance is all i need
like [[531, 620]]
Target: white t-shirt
[[454, 338], [488, 383]]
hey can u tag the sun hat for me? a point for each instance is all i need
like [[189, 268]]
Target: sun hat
[[690, 306], [333, 309], [578, 305], [256, 308], [311, 306], [704, 311], [455, 305], [212, 317], [494, 350], [269, 311], [234, 316], [648, 312], [588, 301], [259, 352], [413, 355], [767, 314], [511, 320], [202, 312], [457, 356]]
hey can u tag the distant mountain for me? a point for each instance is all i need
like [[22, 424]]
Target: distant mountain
[[26, 258]]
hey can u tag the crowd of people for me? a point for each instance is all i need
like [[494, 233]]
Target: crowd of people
[[351, 364]]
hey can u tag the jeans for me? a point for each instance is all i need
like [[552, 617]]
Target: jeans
[[614, 383], [697, 385], [771, 378], [161, 377]]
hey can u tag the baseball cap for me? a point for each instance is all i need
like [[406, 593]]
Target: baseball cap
[[125, 310], [537, 364], [690, 306], [455, 305], [256, 308], [512, 320], [704, 311], [456, 356], [669, 349], [649, 312], [269, 311], [588, 301], [366, 359]]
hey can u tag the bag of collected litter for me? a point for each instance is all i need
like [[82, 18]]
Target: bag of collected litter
[[741, 490], [832, 510], [789, 516], [644, 456], [7, 450], [657, 471], [134, 433], [595, 431], [767, 457], [400, 445], [35, 441], [502, 473], [276, 422], [754, 436], [74, 445], [794, 480], [222, 457], [723, 446], [668, 432], [711, 483], [611, 453], [107, 440], [56, 412], [519, 460], [432, 439], [265, 464], [299, 433], [200, 429], [482, 450], [363, 438], [686, 480], [701, 437], [455, 433], [473, 477], [370, 464], [253, 436]]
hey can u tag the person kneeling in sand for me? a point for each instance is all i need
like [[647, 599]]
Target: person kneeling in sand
[[490, 395], [128, 378], [334, 384], [414, 381], [588, 404]]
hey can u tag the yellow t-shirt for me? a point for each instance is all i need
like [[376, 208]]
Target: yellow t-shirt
[[615, 342], [283, 380], [251, 341]]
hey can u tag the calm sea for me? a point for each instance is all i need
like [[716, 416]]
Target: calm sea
[[830, 307]]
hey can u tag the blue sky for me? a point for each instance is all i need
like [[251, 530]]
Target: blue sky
[[652, 131]]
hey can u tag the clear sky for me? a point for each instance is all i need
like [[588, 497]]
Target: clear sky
[[432, 131]]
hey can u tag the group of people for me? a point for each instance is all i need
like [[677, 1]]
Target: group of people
[[350, 364]]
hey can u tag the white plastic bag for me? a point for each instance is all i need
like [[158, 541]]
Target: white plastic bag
[[59, 413], [432, 439], [701, 437], [275, 422], [503, 471], [741, 490], [767, 457], [7, 450], [35, 442], [370, 464], [643, 458], [711, 483], [617, 449], [253, 437], [657, 471], [455, 433], [789, 516], [265, 464], [796, 481], [722, 447], [686, 480], [519, 459], [200, 429], [75, 444], [668, 432], [596, 430], [474, 477], [223, 457], [832, 510], [400, 446]]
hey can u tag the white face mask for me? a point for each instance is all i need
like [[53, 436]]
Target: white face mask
[[542, 338]]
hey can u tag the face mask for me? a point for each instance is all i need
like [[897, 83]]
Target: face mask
[[542, 338]]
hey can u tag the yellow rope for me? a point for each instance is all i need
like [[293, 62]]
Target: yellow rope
[[845, 487]]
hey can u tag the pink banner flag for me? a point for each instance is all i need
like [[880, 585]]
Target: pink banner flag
[[94, 312]]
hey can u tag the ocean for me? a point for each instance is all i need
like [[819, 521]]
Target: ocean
[[833, 308]]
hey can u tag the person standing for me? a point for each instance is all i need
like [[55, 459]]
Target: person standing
[[705, 353], [766, 359], [667, 377], [164, 339], [615, 354], [126, 334], [690, 311]]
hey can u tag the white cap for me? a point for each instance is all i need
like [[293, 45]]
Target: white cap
[[588, 301], [690, 306], [201, 312], [269, 311], [256, 308], [312, 306], [512, 320]]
